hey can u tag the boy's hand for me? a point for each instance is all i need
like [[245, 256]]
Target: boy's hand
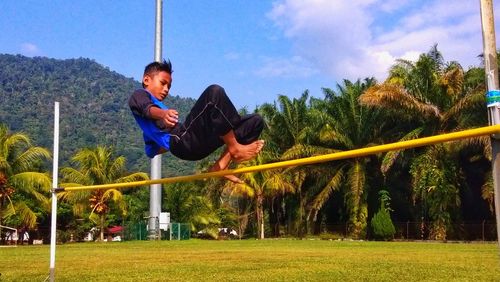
[[171, 117]]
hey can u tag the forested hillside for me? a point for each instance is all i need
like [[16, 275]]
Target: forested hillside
[[93, 107]]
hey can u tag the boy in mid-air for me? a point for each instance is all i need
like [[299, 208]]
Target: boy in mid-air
[[212, 122]]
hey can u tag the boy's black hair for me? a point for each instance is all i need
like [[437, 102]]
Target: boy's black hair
[[155, 67]]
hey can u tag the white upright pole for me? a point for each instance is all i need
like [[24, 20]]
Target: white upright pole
[[493, 96], [155, 189], [55, 169]]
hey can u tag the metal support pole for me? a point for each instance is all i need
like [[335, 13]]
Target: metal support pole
[[155, 189], [55, 169], [159, 30], [493, 95]]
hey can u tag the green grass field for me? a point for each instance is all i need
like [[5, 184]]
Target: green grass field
[[252, 260]]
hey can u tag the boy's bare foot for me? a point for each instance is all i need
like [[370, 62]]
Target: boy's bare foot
[[223, 163], [241, 153], [233, 178]]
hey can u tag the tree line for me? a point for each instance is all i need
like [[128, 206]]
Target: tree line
[[441, 184]]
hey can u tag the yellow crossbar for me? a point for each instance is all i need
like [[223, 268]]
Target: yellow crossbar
[[488, 130]]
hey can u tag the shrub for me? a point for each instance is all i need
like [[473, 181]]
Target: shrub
[[382, 226]]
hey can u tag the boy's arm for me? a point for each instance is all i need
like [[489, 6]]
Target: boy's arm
[[140, 103], [170, 116]]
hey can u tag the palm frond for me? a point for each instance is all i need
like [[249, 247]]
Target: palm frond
[[465, 104], [396, 97], [452, 80], [26, 181], [242, 189], [25, 161], [400, 72], [26, 215], [302, 151], [74, 197], [5, 165], [94, 217], [138, 176], [14, 141], [488, 193], [330, 135], [8, 210], [79, 209], [278, 181], [391, 156], [73, 175], [116, 168], [113, 194], [333, 185]]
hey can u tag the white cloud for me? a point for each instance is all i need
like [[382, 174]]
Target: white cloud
[[392, 5], [30, 49], [358, 38], [232, 56], [289, 68]]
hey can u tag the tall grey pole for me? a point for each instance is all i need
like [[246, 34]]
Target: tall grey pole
[[55, 169], [155, 189], [493, 95]]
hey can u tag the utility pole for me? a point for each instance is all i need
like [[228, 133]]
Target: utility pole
[[492, 96], [155, 189], [55, 175]]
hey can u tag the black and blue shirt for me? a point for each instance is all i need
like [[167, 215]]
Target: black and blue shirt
[[154, 132]]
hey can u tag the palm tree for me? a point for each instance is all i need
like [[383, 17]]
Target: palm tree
[[345, 125], [187, 203], [94, 167], [431, 97], [288, 122], [259, 186], [488, 192], [22, 186], [289, 130]]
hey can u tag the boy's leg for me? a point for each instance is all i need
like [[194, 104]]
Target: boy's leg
[[240, 152], [249, 129], [223, 163], [247, 132], [212, 117]]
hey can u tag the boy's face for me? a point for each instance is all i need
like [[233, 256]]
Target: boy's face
[[158, 84]]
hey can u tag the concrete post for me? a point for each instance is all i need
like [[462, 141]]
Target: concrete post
[[493, 95], [155, 189]]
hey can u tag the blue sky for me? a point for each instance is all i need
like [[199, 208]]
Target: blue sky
[[254, 49]]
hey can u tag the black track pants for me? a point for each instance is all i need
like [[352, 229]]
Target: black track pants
[[212, 116]]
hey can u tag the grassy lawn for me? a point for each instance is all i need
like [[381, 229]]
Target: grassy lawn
[[251, 260]]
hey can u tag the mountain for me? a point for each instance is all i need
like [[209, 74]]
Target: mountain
[[93, 104]]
